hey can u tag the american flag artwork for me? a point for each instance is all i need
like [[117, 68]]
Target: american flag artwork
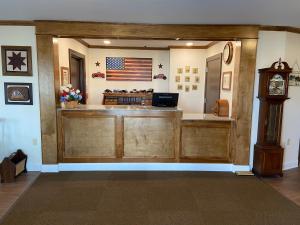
[[128, 69]]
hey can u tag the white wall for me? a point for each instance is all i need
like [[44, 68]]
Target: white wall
[[271, 46], [192, 101], [20, 123], [291, 118], [96, 86]]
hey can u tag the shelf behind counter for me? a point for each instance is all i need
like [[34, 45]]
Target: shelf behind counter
[[118, 133]]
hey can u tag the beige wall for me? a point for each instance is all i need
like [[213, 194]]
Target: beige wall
[[96, 86]]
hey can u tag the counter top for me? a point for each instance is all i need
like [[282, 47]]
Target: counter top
[[120, 107], [207, 117]]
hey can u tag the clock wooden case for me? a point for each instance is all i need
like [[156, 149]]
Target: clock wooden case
[[273, 91]]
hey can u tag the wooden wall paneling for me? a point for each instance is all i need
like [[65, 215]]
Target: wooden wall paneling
[[145, 31], [89, 136], [206, 141], [149, 137], [60, 137], [243, 102], [47, 98], [119, 136]]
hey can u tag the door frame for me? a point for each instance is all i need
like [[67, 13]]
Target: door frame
[[211, 58], [82, 76], [243, 93]]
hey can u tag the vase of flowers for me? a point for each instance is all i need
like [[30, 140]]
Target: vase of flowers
[[69, 96]]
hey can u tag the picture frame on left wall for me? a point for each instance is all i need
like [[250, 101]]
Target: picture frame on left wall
[[16, 60], [18, 93], [65, 75]]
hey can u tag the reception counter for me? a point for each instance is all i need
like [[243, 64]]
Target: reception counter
[[141, 134]]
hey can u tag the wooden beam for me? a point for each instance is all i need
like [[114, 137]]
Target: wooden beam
[[17, 23], [47, 98], [281, 28], [82, 42], [116, 30], [242, 102]]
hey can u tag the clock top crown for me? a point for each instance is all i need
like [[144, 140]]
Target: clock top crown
[[274, 81]]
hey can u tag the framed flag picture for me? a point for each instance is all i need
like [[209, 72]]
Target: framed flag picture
[[16, 60], [128, 69], [18, 93]]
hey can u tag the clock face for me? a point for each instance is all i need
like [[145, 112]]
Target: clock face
[[277, 85], [227, 53]]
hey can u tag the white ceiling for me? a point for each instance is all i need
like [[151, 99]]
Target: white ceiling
[[264, 12], [143, 43]]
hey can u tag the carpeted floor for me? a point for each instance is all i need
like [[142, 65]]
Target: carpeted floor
[[151, 198]]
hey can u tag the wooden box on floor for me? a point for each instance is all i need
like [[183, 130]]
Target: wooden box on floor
[[13, 166]]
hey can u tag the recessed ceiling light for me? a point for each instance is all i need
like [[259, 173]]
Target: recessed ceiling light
[[177, 39], [189, 44], [107, 42]]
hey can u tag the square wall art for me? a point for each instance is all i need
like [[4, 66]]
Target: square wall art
[[16, 60]]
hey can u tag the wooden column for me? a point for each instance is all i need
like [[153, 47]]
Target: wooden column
[[242, 102], [47, 98]]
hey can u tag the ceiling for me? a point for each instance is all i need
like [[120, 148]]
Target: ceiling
[[143, 43], [263, 12]]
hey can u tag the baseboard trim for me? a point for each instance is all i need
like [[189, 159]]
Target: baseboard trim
[[290, 165], [143, 167], [34, 167]]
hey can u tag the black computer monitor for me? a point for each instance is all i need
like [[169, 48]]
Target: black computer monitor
[[165, 99]]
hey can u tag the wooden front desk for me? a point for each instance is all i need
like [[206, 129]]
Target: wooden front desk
[[141, 134]]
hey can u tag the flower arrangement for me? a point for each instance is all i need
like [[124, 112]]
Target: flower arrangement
[[69, 94]]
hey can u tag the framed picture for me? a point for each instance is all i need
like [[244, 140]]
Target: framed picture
[[179, 70], [194, 87], [187, 88], [187, 79], [18, 93], [226, 81], [187, 69], [179, 87], [197, 79], [177, 79], [195, 70], [16, 60], [65, 75], [294, 79]]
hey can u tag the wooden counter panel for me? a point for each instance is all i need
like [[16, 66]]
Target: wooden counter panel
[[149, 137], [206, 141], [89, 137]]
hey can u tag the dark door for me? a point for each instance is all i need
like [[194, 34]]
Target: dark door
[[77, 72], [213, 81]]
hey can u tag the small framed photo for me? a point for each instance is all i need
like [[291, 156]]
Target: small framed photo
[[187, 69], [195, 70], [179, 87], [177, 79], [187, 88], [226, 81], [179, 70], [18, 93], [187, 79], [16, 60], [294, 78], [194, 87], [65, 75], [197, 79]]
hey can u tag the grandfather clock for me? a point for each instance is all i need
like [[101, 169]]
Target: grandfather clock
[[273, 91]]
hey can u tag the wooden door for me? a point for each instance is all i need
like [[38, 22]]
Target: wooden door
[[77, 72], [213, 81]]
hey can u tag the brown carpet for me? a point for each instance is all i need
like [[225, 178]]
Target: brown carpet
[[151, 198]]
